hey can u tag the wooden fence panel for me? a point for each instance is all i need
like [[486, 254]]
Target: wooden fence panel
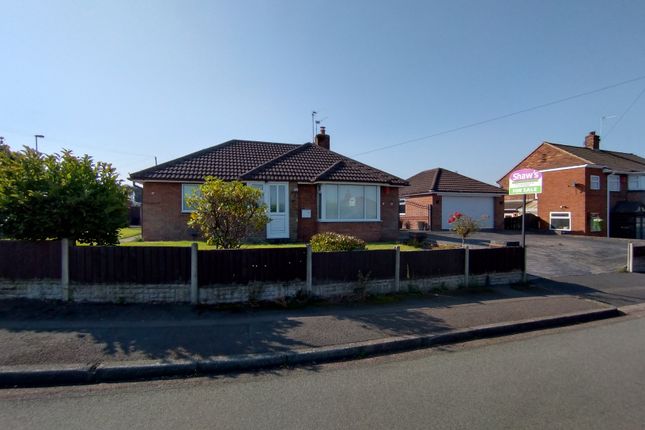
[[242, 266], [136, 265], [428, 264], [494, 260], [30, 260], [346, 266]]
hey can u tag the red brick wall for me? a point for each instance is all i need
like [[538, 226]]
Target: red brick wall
[[307, 199], [498, 204], [161, 212], [416, 211], [544, 157]]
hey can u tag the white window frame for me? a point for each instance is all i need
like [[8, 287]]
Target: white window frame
[[559, 215], [636, 183], [184, 208], [322, 209], [613, 183], [594, 182]]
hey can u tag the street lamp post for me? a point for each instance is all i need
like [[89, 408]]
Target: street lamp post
[[36, 136]]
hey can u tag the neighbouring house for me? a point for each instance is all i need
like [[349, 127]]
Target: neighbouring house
[[585, 189], [307, 189], [434, 195], [135, 195]]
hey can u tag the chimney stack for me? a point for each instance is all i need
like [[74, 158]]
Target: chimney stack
[[322, 139], [592, 141]]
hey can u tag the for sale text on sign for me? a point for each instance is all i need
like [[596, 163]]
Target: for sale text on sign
[[525, 181]]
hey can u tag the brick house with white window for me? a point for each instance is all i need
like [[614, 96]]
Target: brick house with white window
[[307, 189], [585, 186]]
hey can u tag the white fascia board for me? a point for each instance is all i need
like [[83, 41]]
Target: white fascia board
[[350, 183], [557, 169], [465, 194]]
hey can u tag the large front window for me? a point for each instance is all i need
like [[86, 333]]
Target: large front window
[[348, 202]]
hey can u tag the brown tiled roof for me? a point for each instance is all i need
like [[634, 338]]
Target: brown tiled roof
[[265, 161], [446, 181], [618, 161]]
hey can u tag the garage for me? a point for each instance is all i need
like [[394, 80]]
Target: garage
[[434, 195], [481, 209]]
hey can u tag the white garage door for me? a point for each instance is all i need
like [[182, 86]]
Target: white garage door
[[481, 209]]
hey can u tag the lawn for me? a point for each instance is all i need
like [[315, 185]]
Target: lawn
[[126, 232], [203, 245]]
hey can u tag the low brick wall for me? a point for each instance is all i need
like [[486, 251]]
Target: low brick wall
[[231, 293]]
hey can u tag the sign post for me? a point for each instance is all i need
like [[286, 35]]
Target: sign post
[[524, 181]]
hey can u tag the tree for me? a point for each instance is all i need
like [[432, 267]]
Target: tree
[[463, 225], [227, 212], [60, 196]]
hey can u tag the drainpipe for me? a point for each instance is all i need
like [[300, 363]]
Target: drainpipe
[[608, 207]]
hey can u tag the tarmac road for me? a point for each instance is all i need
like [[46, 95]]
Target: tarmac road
[[587, 377]]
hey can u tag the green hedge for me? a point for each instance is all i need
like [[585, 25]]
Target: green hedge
[[330, 242]]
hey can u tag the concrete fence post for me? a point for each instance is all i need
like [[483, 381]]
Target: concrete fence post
[[309, 280], [397, 268], [194, 284], [64, 269], [630, 257], [466, 266]]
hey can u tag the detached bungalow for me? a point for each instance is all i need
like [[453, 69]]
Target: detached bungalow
[[307, 188], [433, 195]]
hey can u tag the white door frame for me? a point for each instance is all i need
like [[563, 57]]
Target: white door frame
[[272, 217]]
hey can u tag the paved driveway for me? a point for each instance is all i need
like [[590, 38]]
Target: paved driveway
[[551, 255]]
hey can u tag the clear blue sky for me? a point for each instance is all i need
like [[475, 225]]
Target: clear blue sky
[[129, 80]]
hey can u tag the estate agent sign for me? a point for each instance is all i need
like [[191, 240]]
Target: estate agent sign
[[525, 181]]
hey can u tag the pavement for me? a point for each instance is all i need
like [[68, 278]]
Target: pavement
[[49, 343]]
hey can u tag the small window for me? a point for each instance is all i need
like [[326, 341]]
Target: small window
[[636, 183], [595, 182], [560, 221], [188, 190], [613, 182], [401, 207]]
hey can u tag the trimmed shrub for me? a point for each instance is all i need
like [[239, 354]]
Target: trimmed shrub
[[330, 242]]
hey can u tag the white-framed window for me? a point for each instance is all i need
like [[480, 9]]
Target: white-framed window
[[595, 182], [401, 206], [560, 221], [613, 182], [348, 202], [636, 183], [188, 190]]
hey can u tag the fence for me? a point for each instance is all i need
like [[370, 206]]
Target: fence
[[120, 268]]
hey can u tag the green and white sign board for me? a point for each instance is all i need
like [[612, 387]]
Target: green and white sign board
[[525, 181]]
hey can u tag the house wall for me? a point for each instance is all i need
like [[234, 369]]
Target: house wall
[[162, 218], [417, 212]]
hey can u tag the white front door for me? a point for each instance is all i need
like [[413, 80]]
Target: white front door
[[276, 198]]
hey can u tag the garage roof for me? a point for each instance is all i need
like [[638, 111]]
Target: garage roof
[[441, 180]]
